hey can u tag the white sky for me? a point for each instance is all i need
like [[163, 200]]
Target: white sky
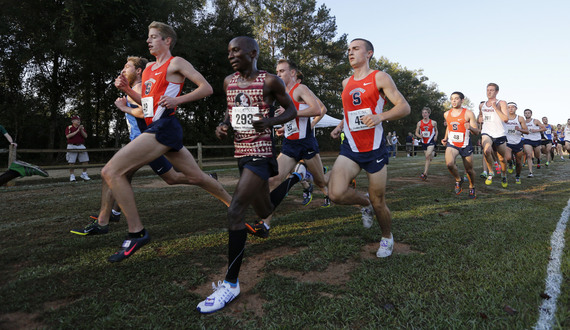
[[522, 46]]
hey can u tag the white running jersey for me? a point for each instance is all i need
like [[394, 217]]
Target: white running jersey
[[492, 123], [513, 136], [532, 136]]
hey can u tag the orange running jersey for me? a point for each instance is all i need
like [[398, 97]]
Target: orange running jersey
[[457, 135], [300, 127], [427, 131], [155, 85], [360, 98]]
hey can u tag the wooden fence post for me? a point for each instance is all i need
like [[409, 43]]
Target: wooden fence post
[[200, 154], [11, 158]]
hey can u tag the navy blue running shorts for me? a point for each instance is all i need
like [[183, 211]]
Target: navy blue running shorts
[[371, 161]]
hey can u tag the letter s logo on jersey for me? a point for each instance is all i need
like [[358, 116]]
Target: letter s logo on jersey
[[148, 86], [356, 95]]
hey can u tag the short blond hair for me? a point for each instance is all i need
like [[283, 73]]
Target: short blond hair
[[165, 31]]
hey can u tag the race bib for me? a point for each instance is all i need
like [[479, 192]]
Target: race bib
[[512, 131], [487, 118], [291, 128], [456, 137], [548, 131], [243, 117], [426, 134], [355, 119], [147, 106]]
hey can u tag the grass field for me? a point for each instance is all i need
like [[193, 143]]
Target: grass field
[[458, 263]]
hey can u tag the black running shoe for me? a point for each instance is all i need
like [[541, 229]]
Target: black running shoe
[[327, 202], [91, 229], [308, 195], [112, 218], [130, 246], [214, 175], [258, 229]]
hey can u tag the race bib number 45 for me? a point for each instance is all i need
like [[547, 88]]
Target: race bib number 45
[[147, 106], [243, 117], [355, 119]]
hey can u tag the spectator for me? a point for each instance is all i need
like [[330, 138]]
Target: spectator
[[389, 144], [75, 134], [410, 144], [395, 143]]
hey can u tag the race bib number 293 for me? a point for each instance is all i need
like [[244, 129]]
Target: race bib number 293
[[243, 117]]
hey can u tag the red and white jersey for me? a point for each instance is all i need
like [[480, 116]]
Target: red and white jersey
[[457, 134], [243, 105], [155, 85], [300, 127], [360, 98], [427, 131]]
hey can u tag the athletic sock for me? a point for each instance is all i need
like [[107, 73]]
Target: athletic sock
[[8, 176], [236, 246], [279, 193], [138, 234]]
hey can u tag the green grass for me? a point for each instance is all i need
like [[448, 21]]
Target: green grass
[[466, 260]]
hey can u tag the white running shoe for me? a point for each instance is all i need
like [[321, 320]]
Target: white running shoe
[[223, 294], [301, 170], [72, 178], [85, 177], [386, 247], [367, 216]]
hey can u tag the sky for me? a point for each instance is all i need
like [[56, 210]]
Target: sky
[[522, 46]]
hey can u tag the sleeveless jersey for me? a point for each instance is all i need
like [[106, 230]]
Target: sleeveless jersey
[[492, 123], [548, 132], [532, 136], [457, 134], [359, 98], [243, 104], [513, 136], [300, 127], [155, 85], [566, 135], [427, 131], [135, 125]]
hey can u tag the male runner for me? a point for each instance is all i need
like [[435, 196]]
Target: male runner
[[254, 149], [364, 146], [460, 122], [426, 130], [531, 140], [162, 82], [516, 127], [566, 136], [492, 114], [546, 140], [99, 224], [299, 142]]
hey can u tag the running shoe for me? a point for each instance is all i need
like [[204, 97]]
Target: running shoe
[[489, 180], [85, 177], [510, 169], [112, 218], [538, 166], [72, 178], [386, 247], [130, 246], [213, 175], [530, 175], [483, 175], [472, 193], [308, 195], [301, 172], [504, 182], [327, 202], [93, 228], [258, 229], [224, 292], [458, 188], [27, 169], [423, 176], [367, 216], [547, 163], [325, 169], [517, 179]]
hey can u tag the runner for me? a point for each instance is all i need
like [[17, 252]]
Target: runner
[[162, 81], [516, 127], [460, 122], [254, 148], [426, 129], [493, 114], [546, 140], [531, 140], [364, 146]]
